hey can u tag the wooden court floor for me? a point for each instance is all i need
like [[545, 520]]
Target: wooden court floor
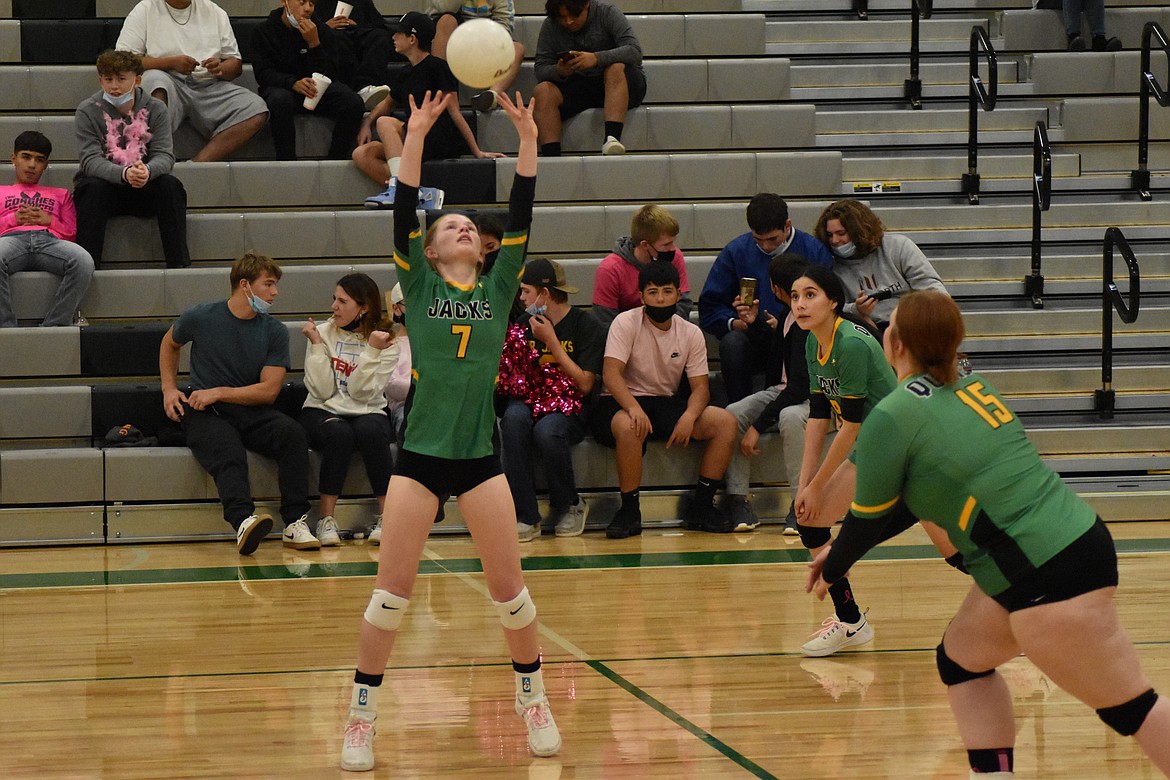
[[667, 656]]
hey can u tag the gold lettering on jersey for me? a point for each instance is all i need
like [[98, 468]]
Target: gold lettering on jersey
[[447, 309]]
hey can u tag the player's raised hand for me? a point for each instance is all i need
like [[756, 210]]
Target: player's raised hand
[[519, 113], [424, 116]]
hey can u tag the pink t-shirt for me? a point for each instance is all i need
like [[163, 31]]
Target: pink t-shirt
[[655, 359], [615, 283], [55, 201]]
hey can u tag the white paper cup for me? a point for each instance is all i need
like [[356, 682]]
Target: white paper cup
[[343, 9], [323, 83]]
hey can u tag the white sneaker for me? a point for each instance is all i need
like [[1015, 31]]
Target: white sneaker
[[298, 536], [572, 523], [251, 532], [327, 532], [373, 94], [612, 146], [527, 532], [357, 746], [543, 737], [835, 635], [375, 536]]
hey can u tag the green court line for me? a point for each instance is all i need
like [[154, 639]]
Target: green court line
[[678, 720], [244, 572]]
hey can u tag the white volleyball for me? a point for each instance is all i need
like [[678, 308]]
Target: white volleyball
[[480, 52]]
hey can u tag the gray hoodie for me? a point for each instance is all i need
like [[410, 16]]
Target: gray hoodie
[[623, 251], [97, 122], [898, 264], [606, 33]]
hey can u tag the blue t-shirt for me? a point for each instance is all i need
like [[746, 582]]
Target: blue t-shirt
[[227, 351]]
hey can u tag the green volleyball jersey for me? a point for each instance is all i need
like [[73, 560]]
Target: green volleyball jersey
[[853, 366], [456, 337], [959, 458]]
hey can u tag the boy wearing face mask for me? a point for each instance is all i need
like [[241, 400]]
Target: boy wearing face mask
[[287, 49], [744, 350], [126, 155], [653, 232], [239, 358], [647, 353], [574, 341]]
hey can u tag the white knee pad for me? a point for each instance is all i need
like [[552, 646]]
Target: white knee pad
[[385, 610], [517, 613]]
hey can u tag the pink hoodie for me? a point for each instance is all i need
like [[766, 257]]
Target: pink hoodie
[[55, 201]]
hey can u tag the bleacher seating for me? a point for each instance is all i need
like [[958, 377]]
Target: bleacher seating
[[795, 96]]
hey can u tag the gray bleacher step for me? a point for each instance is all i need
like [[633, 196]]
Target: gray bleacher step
[[1055, 322], [929, 120], [847, 48], [1143, 497], [1120, 156], [1098, 210], [987, 138], [831, 34], [895, 93], [1024, 380], [947, 166], [888, 6], [1062, 185], [1053, 287], [885, 73], [1057, 266], [1088, 343], [1054, 403]]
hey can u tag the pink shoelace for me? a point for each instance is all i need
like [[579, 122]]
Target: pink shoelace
[[358, 733], [827, 625], [537, 715]]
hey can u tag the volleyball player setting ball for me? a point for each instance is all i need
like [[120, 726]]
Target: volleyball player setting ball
[[1044, 565], [457, 321]]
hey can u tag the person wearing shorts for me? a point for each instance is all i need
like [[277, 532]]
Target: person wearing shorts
[[587, 56], [190, 56], [947, 447], [647, 353], [449, 14]]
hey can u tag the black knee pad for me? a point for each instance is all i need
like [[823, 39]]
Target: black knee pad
[[1127, 718], [951, 673], [812, 538]]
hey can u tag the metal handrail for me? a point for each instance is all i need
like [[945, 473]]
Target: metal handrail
[[977, 96], [1140, 178], [1041, 202], [912, 87], [1105, 399]]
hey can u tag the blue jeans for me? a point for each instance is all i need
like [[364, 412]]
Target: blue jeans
[[40, 250], [1072, 16], [554, 436]]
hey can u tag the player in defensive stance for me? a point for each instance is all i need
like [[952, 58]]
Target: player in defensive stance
[[1045, 569], [457, 321]]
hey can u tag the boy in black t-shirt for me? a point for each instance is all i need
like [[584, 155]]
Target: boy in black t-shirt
[[451, 136]]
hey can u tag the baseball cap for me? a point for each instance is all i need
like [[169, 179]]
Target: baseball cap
[[415, 23], [546, 273]]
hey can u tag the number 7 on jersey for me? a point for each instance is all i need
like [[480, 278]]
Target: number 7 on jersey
[[464, 334]]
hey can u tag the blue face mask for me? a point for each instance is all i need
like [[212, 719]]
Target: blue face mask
[[536, 311], [119, 101], [258, 304]]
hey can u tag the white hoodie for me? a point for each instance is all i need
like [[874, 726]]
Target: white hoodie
[[345, 375]]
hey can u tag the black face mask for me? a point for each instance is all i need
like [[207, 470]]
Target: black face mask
[[353, 326], [400, 319], [490, 258], [659, 314], [666, 256]]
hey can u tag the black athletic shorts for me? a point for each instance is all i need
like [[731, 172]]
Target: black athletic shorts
[[445, 476], [588, 91], [1088, 564], [663, 411]]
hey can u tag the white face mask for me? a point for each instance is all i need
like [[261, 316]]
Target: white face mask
[[118, 101], [291, 19], [845, 250]]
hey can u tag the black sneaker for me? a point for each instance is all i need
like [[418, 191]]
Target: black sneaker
[[625, 523], [790, 528], [740, 513], [483, 102], [700, 517], [1076, 43]]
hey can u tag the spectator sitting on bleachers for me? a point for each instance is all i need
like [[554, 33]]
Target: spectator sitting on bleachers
[[587, 56], [38, 226], [239, 357], [126, 150], [348, 362], [647, 352], [190, 54], [876, 266], [449, 14], [398, 383], [367, 37], [575, 342], [745, 349], [451, 136], [1095, 11], [783, 405], [653, 231], [288, 47]]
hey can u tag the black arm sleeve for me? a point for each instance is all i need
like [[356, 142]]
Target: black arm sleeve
[[405, 217], [818, 407], [859, 535], [520, 203], [853, 410]]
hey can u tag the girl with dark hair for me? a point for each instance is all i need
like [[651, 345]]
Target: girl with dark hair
[[848, 375], [1044, 566], [348, 360]]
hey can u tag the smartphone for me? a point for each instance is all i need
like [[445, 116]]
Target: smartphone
[[747, 290], [565, 56]]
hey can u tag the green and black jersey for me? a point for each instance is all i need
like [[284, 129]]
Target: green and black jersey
[[850, 371], [958, 457], [456, 333]]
